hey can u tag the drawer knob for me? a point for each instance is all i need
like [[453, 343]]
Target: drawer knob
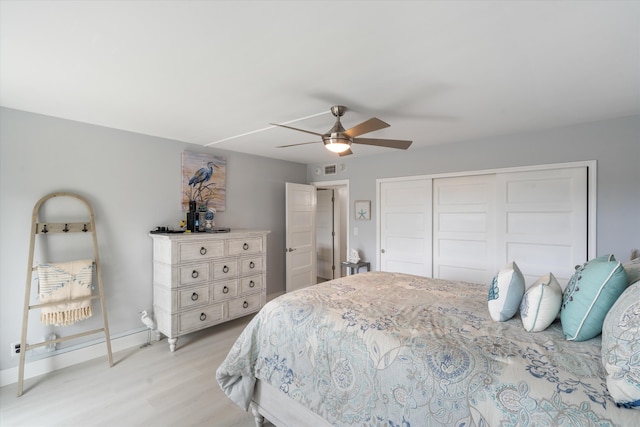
[[225, 269], [225, 290], [203, 250], [245, 246], [195, 274], [245, 304], [252, 264], [194, 297], [203, 317], [252, 284]]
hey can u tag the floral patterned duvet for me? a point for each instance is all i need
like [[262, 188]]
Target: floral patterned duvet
[[388, 349]]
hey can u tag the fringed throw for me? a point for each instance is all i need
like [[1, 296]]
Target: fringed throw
[[63, 282]]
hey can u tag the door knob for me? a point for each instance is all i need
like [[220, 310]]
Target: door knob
[[382, 250], [289, 250]]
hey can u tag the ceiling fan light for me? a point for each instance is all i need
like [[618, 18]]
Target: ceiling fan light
[[337, 144]]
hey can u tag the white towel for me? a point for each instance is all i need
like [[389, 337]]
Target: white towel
[[63, 282]]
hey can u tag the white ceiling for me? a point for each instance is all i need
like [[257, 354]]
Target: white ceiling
[[205, 71]]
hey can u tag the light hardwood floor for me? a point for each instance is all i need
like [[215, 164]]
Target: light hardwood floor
[[146, 387]]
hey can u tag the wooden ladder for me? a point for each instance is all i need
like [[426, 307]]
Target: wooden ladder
[[44, 229]]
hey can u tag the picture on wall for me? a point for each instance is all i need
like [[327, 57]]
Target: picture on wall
[[204, 179], [363, 209]]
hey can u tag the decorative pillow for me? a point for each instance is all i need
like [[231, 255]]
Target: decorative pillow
[[506, 293], [541, 304], [593, 289], [632, 268], [621, 348]]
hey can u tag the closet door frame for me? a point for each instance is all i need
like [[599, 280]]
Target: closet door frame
[[590, 165]]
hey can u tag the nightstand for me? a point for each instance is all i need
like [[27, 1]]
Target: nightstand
[[354, 267]]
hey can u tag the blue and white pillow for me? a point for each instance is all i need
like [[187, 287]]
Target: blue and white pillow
[[621, 348], [505, 293], [592, 290], [541, 304]]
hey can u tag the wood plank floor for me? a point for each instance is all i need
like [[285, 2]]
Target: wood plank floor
[[146, 387]]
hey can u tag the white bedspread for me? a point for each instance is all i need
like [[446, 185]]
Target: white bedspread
[[382, 349]]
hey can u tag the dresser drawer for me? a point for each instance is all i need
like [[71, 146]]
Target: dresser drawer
[[193, 296], [225, 290], [194, 273], [250, 245], [251, 265], [200, 250], [244, 305], [250, 284], [225, 269], [197, 319]]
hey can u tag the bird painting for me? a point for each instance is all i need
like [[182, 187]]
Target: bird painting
[[202, 175], [150, 324], [203, 180]]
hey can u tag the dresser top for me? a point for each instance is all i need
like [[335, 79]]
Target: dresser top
[[188, 237]]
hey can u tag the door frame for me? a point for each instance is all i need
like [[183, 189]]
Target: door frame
[[590, 165], [343, 183]]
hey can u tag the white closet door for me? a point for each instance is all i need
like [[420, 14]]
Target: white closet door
[[542, 217], [464, 238], [405, 226]]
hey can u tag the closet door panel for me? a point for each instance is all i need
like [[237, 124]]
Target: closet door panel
[[405, 226], [542, 218], [464, 228]]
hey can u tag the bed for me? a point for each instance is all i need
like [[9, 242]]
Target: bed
[[391, 349]]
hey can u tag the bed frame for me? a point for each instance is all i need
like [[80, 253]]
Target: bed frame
[[268, 402]]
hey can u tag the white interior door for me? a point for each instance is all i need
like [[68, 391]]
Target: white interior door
[[542, 221], [464, 240], [405, 226], [300, 236]]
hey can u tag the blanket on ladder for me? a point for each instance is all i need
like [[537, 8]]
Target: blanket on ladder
[[62, 283]]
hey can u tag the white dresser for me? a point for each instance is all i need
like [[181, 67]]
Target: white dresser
[[202, 279]]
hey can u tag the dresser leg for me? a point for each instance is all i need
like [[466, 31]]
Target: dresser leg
[[172, 343]]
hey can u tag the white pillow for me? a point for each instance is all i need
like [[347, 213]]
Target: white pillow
[[505, 293], [621, 348], [541, 304]]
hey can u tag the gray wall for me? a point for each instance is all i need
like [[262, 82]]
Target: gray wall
[[133, 182], [615, 144]]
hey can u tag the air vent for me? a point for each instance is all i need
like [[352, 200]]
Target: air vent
[[330, 169]]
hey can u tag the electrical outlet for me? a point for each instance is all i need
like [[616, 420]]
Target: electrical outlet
[[15, 349]]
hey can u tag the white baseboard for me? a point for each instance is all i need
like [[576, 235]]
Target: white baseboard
[[94, 350], [69, 358]]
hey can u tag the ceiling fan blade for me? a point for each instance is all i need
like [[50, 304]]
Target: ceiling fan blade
[[299, 130], [366, 127], [346, 153], [301, 143], [389, 143]]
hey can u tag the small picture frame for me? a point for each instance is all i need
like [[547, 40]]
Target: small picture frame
[[362, 209]]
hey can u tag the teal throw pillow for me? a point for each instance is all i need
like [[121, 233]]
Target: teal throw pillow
[[592, 290]]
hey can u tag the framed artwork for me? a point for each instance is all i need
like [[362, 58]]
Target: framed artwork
[[204, 180], [363, 209]]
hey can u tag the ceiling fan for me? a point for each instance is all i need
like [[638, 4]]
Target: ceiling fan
[[339, 140]]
